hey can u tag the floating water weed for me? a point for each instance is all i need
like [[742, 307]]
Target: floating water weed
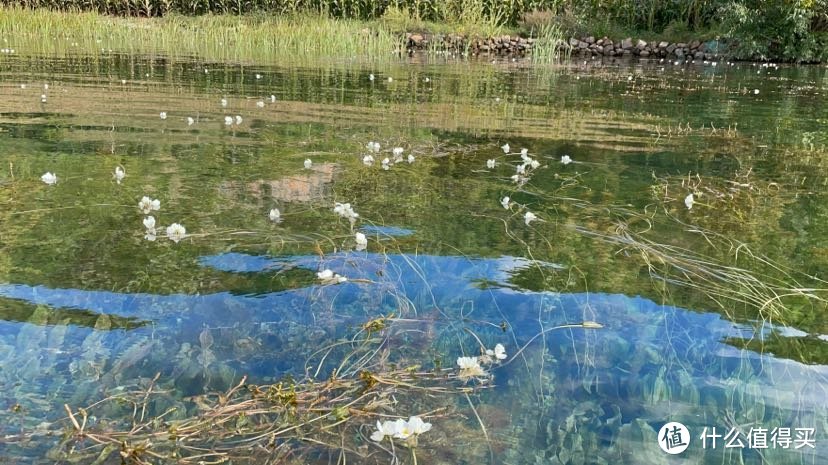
[[49, 178], [147, 205], [176, 232]]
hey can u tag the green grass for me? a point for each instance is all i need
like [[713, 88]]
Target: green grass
[[225, 38]]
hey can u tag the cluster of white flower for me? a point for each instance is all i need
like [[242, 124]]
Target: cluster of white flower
[[175, 231], [401, 429], [346, 211], [373, 147], [147, 205], [329, 277], [470, 367]]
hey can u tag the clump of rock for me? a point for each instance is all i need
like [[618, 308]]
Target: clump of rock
[[516, 45]]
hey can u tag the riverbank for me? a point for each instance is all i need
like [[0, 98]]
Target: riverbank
[[267, 39]]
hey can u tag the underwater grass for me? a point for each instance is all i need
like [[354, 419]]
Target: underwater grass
[[261, 39]]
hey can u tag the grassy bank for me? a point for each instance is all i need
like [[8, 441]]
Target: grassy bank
[[260, 39]]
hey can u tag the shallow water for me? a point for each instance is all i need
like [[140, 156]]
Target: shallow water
[[712, 316]]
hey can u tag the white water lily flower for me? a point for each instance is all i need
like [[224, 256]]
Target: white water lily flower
[[410, 159], [374, 146], [147, 205], [689, 200], [524, 153], [258, 76], [397, 151], [272, 99], [361, 241], [755, 91], [275, 215], [228, 120], [49, 178], [368, 160], [506, 148], [390, 79], [519, 179], [150, 235], [308, 164], [534, 164], [385, 164], [163, 115], [238, 119], [176, 232], [418, 426], [224, 102], [500, 352], [505, 202], [402, 430], [490, 163], [120, 174], [371, 77], [521, 169], [260, 104], [566, 160], [190, 121], [346, 211], [149, 223], [529, 217]]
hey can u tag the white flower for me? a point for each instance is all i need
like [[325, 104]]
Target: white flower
[[123, 81], [529, 217], [223, 101], [427, 79], [517, 178], [346, 211], [390, 79], [150, 236], [470, 367], [258, 76], [272, 99], [260, 104], [370, 77], [386, 428], [49, 178], [163, 115], [329, 277], [490, 163], [385, 163], [361, 240], [417, 426], [149, 224], [506, 148], [755, 91], [398, 151], [308, 164], [500, 352], [238, 119], [520, 169], [228, 120], [534, 164], [402, 430], [689, 200], [410, 158], [505, 202], [42, 98], [368, 160], [120, 174], [566, 160], [147, 205], [190, 121], [374, 146], [275, 215], [176, 232], [524, 153]]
